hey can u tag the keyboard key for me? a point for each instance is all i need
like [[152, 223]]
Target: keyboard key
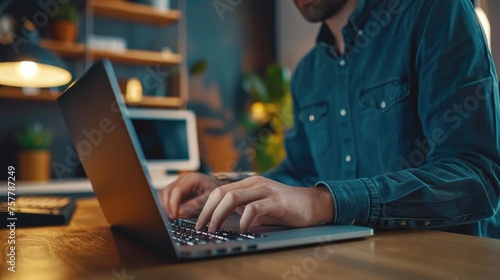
[[183, 232]]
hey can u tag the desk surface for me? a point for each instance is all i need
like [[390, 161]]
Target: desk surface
[[86, 249]]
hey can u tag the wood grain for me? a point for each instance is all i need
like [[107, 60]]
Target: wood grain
[[88, 249]]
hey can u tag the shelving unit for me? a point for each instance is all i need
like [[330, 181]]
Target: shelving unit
[[48, 96], [127, 11]]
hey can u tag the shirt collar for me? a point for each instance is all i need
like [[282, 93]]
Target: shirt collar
[[325, 35]]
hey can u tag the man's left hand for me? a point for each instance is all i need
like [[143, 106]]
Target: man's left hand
[[265, 202]]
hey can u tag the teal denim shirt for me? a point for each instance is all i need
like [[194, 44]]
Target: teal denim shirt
[[403, 128]]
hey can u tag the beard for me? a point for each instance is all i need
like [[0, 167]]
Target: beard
[[319, 10]]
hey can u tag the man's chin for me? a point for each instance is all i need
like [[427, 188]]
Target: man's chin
[[311, 15], [318, 11], [303, 3]]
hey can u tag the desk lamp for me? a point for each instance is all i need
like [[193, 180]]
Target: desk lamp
[[23, 63]]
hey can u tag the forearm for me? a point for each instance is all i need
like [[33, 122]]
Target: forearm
[[443, 193]]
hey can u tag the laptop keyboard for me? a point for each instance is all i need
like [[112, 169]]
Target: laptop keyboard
[[184, 233]]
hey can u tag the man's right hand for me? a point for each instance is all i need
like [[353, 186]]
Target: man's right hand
[[186, 196]]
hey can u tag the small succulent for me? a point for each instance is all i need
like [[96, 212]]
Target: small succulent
[[35, 137], [67, 12]]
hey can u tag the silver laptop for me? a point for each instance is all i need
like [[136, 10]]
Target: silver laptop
[[109, 149]]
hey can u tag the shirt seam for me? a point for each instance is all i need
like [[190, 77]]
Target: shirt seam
[[422, 21]]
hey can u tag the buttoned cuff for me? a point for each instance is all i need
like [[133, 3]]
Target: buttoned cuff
[[355, 201]]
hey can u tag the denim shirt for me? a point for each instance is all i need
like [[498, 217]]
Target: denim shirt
[[403, 128]]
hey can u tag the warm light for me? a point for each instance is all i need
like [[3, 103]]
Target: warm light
[[258, 112], [134, 93], [483, 19], [34, 75], [27, 69]]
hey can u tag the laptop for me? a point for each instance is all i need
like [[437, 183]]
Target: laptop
[[109, 149]]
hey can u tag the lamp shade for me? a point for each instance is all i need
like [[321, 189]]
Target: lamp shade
[[23, 63]]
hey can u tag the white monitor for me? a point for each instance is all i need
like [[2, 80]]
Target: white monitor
[[168, 139]]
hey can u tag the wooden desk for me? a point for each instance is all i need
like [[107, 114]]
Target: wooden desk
[[87, 249]]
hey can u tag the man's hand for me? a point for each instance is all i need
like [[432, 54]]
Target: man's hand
[[265, 202], [187, 195]]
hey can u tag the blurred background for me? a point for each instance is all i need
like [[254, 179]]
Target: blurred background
[[228, 61]]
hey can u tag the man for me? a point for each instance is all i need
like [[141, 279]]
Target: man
[[396, 126]]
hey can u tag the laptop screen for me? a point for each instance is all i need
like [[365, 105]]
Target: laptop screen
[[163, 139]]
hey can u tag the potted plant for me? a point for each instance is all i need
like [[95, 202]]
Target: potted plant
[[268, 114], [34, 158], [64, 26]]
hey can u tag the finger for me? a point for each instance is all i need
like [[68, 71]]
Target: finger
[[263, 220], [214, 199], [267, 221], [231, 200], [165, 194], [177, 194], [254, 210], [193, 207], [240, 209]]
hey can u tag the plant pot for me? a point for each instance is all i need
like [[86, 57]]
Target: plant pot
[[64, 31], [34, 165]]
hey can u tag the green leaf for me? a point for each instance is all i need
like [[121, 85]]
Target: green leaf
[[199, 68], [254, 86], [277, 82], [35, 137], [67, 12]]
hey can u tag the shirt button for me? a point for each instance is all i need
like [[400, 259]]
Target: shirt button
[[311, 118], [348, 158], [383, 105], [360, 32], [342, 62], [343, 112]]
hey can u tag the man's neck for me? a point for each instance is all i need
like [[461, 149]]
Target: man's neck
[[339, 21]]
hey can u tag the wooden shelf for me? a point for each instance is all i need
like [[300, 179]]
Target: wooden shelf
[[46, 95], [137, 57], [73, 50], [158, 102], [134, 12], [16, 93]]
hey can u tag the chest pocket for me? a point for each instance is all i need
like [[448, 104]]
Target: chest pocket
[[387, 113], [315, 121]]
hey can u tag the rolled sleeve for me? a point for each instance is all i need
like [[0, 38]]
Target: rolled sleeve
[[355, 201]]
